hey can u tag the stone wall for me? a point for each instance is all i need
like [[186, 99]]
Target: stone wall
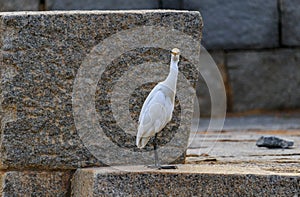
[[59, 75], [72, 88], [240, 31], [260, 42]]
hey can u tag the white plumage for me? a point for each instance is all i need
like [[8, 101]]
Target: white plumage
[[159, 105], [156, 113]]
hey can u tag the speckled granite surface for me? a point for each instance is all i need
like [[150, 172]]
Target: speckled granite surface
[[187, 180], [41, 53], [34, 183]]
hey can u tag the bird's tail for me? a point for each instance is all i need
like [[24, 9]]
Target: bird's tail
[[142, 141]]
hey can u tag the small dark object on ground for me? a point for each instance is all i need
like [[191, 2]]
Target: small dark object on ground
[[273, 142]]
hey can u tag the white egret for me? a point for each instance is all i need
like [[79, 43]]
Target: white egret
[[158, 107]]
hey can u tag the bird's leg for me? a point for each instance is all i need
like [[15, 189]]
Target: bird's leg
[[157, 165], [156, 160]]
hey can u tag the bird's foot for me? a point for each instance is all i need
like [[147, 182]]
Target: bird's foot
[[168, 167]]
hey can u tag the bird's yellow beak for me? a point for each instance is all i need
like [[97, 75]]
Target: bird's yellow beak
[[175, 52]]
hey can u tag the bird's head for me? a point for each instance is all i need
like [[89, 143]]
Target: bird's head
[[175, 53]]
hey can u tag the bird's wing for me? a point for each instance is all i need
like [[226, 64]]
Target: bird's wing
[[152, 94], [155, 114]]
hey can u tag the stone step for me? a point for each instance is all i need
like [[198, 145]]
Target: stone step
[[66, 75], [35, 183], [187, 180]]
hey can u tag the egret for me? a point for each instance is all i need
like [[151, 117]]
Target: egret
[[158, 108]]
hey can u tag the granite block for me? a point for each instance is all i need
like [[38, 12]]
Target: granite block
[[34, 183], [234, 24], [187, 180], [266, 80], [290, 22], [17, 5], [59, 91], [101, 4]]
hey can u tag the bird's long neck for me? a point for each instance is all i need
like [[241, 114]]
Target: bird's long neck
[[171, 80]]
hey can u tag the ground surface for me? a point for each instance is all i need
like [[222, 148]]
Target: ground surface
[[236, 143]]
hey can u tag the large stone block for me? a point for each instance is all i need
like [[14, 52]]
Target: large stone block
[[34, 183], [17, 5], [187, 180], [73, 83], [101, 4], [265, 80], [234, 24], [290, 22]]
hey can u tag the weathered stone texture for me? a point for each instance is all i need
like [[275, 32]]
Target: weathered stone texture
[[237, 24], [290, 22], [265, 80], [100, 4], [34, 183], [17, 5], [188, 180], [42, 53]]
